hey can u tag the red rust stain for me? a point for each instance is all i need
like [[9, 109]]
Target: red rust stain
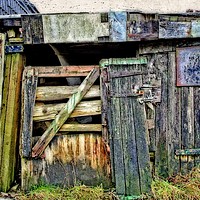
[[88, 148]]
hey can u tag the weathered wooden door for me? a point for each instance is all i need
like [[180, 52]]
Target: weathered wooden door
[[123, 111]]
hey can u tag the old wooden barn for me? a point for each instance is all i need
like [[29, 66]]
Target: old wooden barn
[[99, 98]]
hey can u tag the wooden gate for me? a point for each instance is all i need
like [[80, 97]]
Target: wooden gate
[[125, 92], [55, 149]]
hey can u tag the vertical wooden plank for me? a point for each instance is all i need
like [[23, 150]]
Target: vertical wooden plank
[[2, 46], [117, 22], [30, 80], [117, 138], [174, 116], [4, 108], [11, 123], [161, 154], [132, 178], [142, 143], [197, 122], [187, 162]]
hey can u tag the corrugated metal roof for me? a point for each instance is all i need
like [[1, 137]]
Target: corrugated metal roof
[[10, 7]]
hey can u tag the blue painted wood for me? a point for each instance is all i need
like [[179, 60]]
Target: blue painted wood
[[14, 48], [168, 29], [117, 22], [188, 66], [195, 30]]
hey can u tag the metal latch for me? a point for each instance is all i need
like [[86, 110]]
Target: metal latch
[[148, 92]]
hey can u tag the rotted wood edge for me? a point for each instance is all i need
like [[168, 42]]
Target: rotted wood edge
[[29, 85]]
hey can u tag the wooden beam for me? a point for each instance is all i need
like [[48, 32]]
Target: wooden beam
[[187, 152], [2, 44], [51, 93], [81, 128], [64, 71], [65, 113], [30, 80], [49, 111], [11, 127]]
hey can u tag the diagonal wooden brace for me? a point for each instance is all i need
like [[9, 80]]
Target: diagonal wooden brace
[[64, 114]]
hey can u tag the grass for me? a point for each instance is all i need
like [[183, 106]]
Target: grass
[[47, 192], [174, 188], [178, 188]]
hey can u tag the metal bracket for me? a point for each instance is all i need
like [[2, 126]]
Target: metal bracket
[[148, 92]]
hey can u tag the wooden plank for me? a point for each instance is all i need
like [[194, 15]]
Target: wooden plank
[[105, 115], [14, 48], [26, 25], [142, 27], [115, 128], [4, 109], [195, 30], [188, 72], [169, 30], [32, 29], [74, 28], [197, 122], [30, 80], [2, 43], [142, 143], [11, 123], [52, 93], [174, 117], [187, 127], [117, 22], [64, 71], [68, 160], [187, 152], [155, 47], [132, 177], [161, 154], [49, 111], [64, 113], [81, 128]]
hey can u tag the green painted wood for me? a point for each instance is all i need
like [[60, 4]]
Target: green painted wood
[[82, 27], [3, 111], [125, 61], [2, 46], [11, 129], [161, 123], [174, 117], [197, 123], [187, 152], [64, 113], [187, 162], [30, 79]]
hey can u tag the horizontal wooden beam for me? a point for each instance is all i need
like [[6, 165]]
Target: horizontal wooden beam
[[81, 128], [187, 152], [63, 71], [51, 93], [49, 111]]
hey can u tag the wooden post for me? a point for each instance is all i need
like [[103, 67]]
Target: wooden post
[[65, 113], [2, 44], [9, 127]]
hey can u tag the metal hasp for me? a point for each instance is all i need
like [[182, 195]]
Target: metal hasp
[[187, 152]]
